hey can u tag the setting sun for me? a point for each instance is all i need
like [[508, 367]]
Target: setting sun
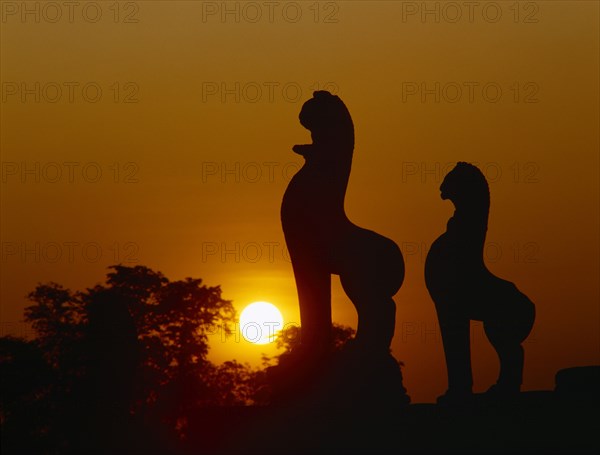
[[260, 322]]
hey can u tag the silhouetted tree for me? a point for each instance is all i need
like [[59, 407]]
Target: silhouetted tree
[[25, 411], [57, 316], [137, 343], [173, 319], [289, 338], [238, 384]]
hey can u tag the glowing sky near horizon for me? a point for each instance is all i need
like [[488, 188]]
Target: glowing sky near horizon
[[160, 134]]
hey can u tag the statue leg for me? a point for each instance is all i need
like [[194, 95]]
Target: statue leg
[[455, 328], [313, 283], [376, 313], [371, 272], [510, 354], [298, 376], [506, 336]]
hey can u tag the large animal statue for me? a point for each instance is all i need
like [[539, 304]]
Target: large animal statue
[[322, 240], [463, 289]]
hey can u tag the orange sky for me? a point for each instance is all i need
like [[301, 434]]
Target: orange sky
[[194, 165]]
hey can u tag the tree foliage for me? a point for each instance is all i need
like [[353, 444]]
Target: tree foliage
[[135, 345], [138, 343], [290, 337]]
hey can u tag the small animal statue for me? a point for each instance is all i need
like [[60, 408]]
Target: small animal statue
[[463, 289]]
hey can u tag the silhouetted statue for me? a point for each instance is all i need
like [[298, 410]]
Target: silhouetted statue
[[463, 289], [322, 240]]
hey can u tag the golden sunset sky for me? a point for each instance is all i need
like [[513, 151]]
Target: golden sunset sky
[[159, 133]]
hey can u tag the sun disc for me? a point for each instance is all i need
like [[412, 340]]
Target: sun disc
[[260, 322]]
